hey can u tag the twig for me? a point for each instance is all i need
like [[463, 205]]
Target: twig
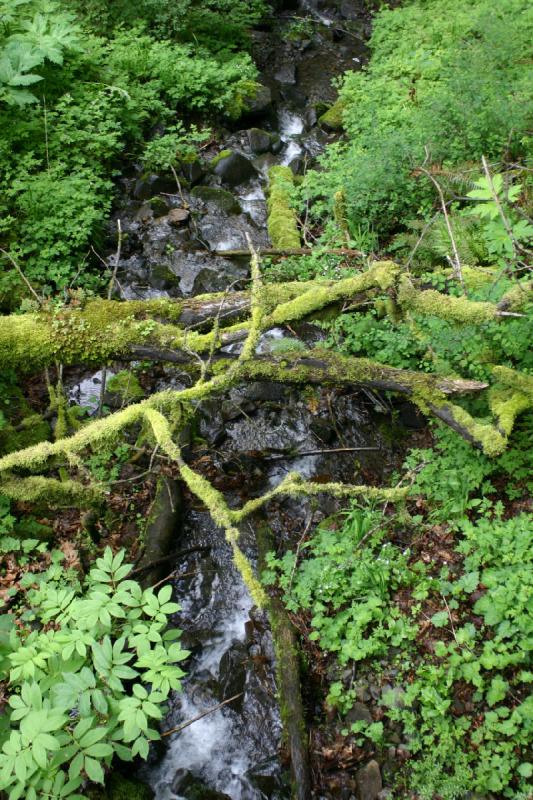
[[164, 559], [202, 715], [436, 184], [284, 456], [23, 277]]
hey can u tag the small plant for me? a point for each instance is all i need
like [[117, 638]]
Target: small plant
[[89, 668]]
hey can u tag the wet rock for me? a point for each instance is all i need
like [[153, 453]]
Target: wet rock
[[157, 205], [219, 235], [264, 162], [260, 141], [193, 172], [260, 102], [369, 781], [348, 10], [232, 674], [162, 277], [234, 169], [183, 780], [358, 713], [217, 199], [297, 165], [266, 777], [200, 273], [286, 74], [276, 144], [149, 185], [199, 791]]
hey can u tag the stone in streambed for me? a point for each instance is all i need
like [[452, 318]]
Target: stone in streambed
[[232, 674], [217, 199], [259, 140], [233, 168], [260, 101], [192, 171], [369, 781]]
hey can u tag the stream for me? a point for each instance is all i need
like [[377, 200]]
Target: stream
[[168, 250]]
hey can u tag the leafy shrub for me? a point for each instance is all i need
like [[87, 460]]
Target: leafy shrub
[[368, 597], [447, 76], [89, 670]]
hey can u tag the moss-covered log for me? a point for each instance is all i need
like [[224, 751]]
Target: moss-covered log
[[282, 220], [103, 330]]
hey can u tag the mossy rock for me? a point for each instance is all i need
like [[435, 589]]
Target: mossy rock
[[158, 206], [120, 788], [332, 119], [220, 157], [218, 198]]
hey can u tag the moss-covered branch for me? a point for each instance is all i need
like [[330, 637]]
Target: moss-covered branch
[[105, 330]]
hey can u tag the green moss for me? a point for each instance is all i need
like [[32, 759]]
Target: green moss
[[282, 219], [382, 274], [453, 309], [332, 119], [507, 406], [225, 201], [485, 435], [514, 379], [220, 157]]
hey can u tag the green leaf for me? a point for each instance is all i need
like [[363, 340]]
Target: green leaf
[[94, 771]]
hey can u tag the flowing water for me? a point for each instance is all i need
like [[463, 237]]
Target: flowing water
[[234, 751]]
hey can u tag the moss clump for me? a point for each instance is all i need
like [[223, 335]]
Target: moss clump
[[507, 406], [282, 220], [515, 380], [126, 385], [332, 119]]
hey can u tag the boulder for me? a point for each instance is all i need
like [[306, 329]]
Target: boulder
[[260, 141], [232, 674], [233, 168], [192, 171], [149, 185], [260, 101], [369, 781], [217, 199], [176, 216], [266, 776], [332, 119]]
